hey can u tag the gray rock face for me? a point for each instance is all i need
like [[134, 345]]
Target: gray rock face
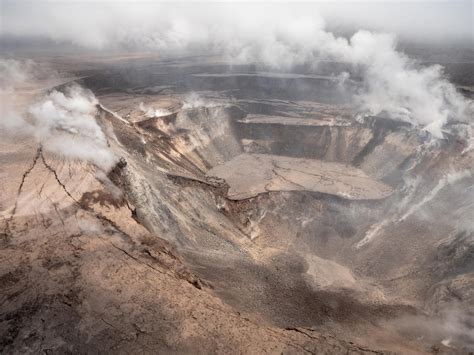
[[258, 216]]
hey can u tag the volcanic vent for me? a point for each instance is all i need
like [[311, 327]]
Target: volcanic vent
[[251, 208], [288, 204]]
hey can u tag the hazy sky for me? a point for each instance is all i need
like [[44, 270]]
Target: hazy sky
[[281, 36], [99, 24]]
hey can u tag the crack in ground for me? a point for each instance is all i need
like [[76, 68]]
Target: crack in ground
[[138, 260], [51, 169], [288, 180], [39, 154], [28, 171], [98, 215], [20, 188], [299, 330]]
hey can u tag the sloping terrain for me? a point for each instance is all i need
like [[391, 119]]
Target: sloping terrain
[[258, 215]]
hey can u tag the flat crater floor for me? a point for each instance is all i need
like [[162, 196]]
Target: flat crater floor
[[251, 174]]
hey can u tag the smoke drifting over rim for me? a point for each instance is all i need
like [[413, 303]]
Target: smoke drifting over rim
[[105, 23], [279, 36], [65, 124], [62, 122]]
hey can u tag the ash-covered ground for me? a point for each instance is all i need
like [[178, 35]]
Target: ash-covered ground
[[228, 209]]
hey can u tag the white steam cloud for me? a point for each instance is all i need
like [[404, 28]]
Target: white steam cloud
[[14, 72], [451, 327], [65, 124], [446, 180], [13, 76], [62, 122], [392, 83], [151, 112], [274, 35], [194, 100]]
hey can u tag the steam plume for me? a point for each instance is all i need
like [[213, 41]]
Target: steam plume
[[152, 112], [62, 122], [274, 36], [65, 124]]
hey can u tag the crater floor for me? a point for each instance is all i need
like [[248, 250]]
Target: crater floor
[[251, 174], [249, 212]]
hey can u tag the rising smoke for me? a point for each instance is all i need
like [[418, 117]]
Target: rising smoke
[[451, 327], [65, 124], [150, 111], [272, 35], [62, 122], [13, 76]]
